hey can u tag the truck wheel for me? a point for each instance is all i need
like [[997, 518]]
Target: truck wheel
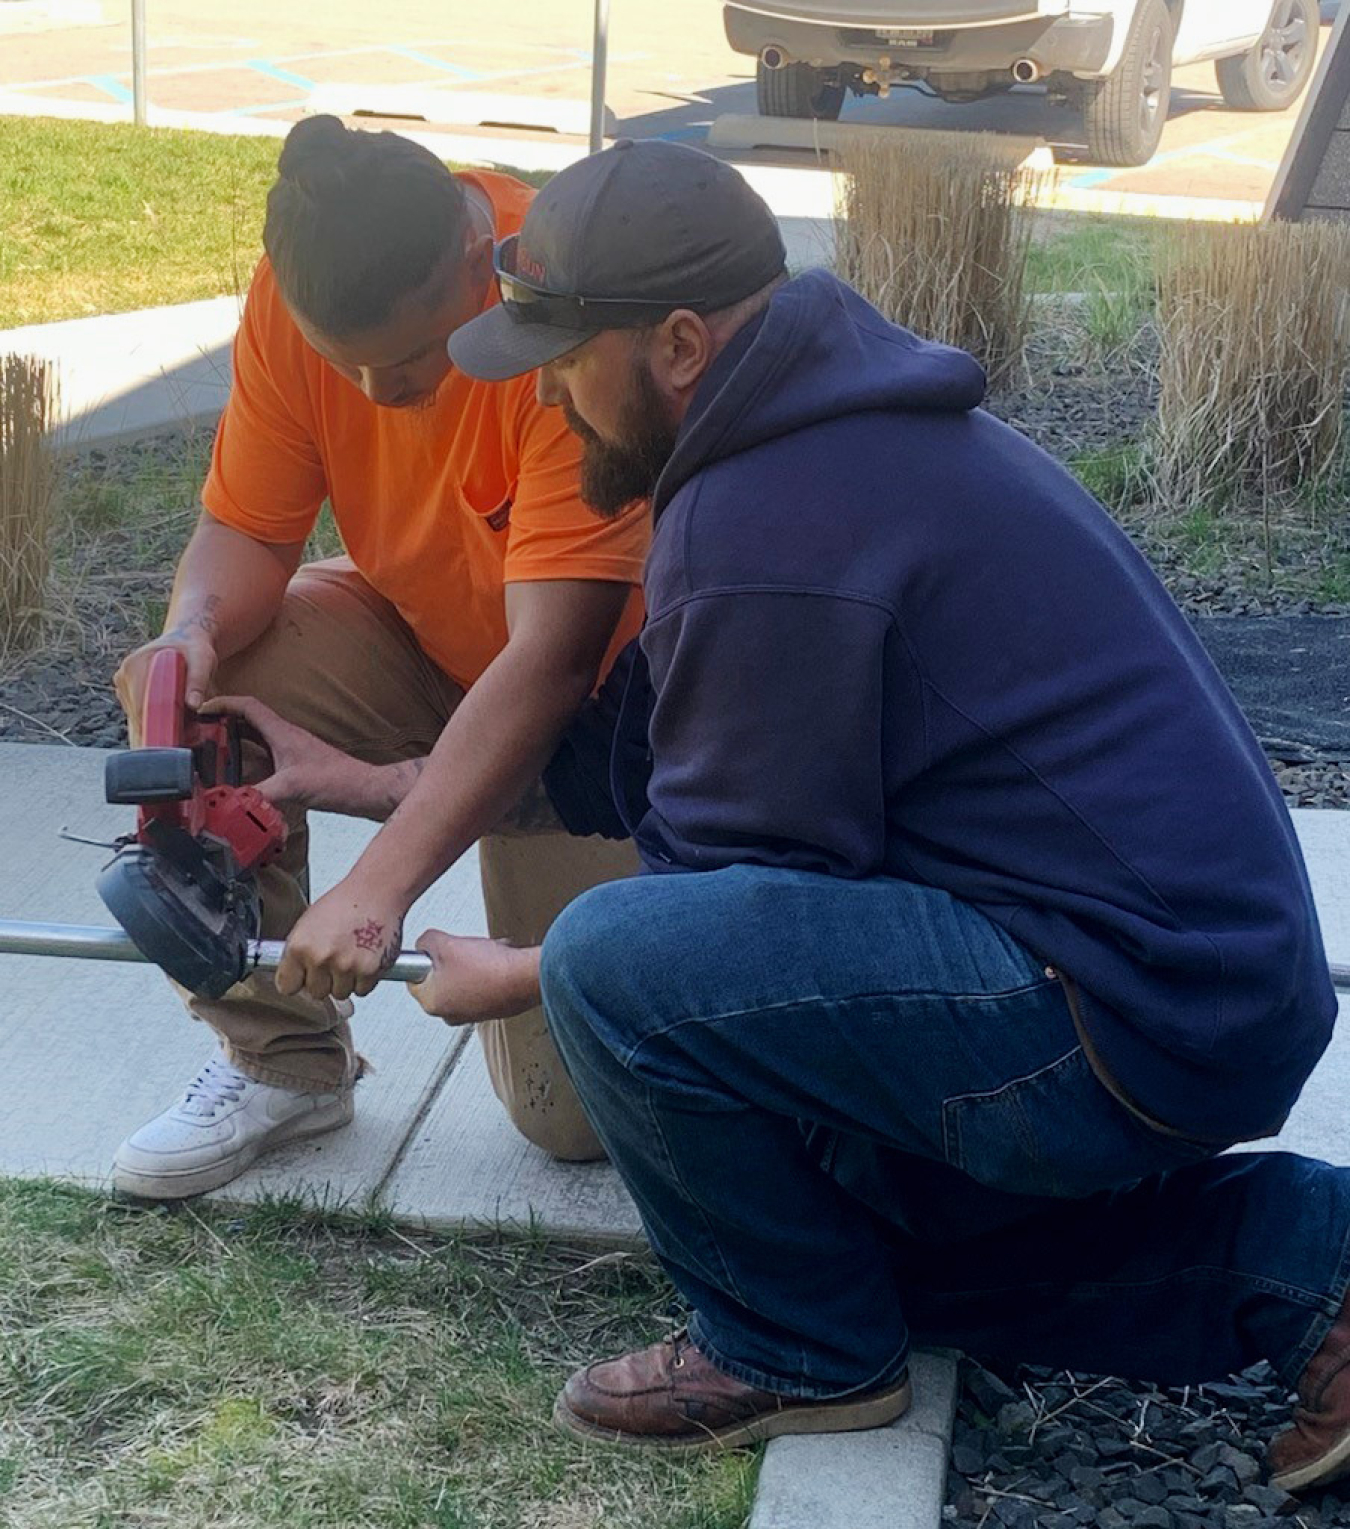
[[1272, 75], [797, 90], [1125, 113]]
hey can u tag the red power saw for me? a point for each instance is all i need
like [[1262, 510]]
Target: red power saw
[[184, 887]]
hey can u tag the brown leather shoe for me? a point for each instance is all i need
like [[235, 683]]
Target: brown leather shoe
[[1317, 1448], [670, 1397]]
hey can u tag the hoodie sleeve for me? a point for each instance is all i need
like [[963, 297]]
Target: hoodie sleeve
[[767, 732], [597, 778]]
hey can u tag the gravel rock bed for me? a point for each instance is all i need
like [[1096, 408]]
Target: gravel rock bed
[[1070, 406], [65, 700], [1036, 1449]]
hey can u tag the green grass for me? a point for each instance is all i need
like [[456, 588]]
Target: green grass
[[1109, 265], [1079, 252], [284, 1368], [1117, 475], [1298, 550], [105, 218]]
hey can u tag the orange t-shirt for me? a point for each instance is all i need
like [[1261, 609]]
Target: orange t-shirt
[[438, 507]]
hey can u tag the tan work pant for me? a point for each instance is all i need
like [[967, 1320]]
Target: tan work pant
[[340, 662]]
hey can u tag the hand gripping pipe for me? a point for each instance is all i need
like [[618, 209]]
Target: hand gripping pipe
[[92, 942]]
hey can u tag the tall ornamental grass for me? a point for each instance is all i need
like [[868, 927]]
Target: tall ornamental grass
[[934, 229], [1254, 324], [27, 491]]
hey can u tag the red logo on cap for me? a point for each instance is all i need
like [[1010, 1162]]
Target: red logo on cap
[[529, 267]]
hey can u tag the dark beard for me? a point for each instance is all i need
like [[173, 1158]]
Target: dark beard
[[617, 474]]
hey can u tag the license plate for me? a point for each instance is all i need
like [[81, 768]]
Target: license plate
[[913, 36]]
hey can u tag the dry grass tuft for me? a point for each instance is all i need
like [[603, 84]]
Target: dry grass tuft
[[27, 491], [933, 230], [1255, 358]]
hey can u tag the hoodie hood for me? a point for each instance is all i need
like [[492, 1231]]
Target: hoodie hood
[[818, 351]]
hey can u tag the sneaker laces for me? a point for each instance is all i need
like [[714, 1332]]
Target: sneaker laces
[[218, 1083]]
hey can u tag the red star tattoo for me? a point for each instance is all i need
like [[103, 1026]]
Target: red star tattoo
[[370, 936]]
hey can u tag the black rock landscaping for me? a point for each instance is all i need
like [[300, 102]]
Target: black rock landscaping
[[1041, 1449]]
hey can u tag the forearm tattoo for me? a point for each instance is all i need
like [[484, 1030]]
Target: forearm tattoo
[[394, 949], [206, 618]]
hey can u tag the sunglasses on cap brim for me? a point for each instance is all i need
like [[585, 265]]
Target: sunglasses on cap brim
[[533, 304]]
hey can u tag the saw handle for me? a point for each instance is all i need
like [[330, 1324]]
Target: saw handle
[[164, 703], [167, 722], [148, 775], [186, 775]]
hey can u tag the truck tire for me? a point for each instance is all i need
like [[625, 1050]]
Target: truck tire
[[1125, 113], [1272, 75], [797, 90]]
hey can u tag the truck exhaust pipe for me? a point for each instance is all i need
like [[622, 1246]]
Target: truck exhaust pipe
[[1026, 71], [774, 58]]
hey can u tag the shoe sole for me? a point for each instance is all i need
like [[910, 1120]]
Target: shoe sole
[[1329, 1467], [199, 1181], [873, 1411]]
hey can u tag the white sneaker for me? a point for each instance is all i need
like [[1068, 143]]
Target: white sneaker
[[223, 1121]]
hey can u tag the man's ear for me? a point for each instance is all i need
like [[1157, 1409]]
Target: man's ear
[[478, 256], [682, 350]]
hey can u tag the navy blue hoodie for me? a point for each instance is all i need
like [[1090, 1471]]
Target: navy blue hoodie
[[887, 635]]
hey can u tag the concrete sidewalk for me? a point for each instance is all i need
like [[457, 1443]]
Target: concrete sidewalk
[[429, 1137], [88, 1051], [124, 375]]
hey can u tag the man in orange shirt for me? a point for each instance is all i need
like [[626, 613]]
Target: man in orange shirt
[[471, 617]]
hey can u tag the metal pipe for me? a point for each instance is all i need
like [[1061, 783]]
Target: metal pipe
[[138, 107], [599, 64], [92, 942]]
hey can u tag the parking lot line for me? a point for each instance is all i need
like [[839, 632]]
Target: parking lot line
[[286, 76]]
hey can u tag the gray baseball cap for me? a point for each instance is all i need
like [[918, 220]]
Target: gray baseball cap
[[618, 240]]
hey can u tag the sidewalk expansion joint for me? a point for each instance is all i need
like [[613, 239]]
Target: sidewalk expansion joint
[[428, 1103]]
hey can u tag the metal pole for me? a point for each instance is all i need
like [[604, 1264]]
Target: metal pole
[[92, 942], [138, 61], [95, 943], [599, 63]]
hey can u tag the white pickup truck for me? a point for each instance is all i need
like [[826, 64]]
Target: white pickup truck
[[1112, 59]]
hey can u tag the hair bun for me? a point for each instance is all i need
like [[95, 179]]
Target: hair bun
[[356, 220], [317, 152]]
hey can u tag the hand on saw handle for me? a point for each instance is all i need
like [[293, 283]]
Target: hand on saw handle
[[344, 941], [199, 654], [306, 771]]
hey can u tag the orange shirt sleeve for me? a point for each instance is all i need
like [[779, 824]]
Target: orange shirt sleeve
[[553, 534], [267, 477]]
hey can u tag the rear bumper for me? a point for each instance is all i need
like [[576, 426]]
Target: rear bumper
[[909, 13], [1070, 44]]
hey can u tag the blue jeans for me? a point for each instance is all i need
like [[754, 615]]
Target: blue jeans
[[855, 1114]]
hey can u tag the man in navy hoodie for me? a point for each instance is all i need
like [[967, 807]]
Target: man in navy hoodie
[[976, 927]]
